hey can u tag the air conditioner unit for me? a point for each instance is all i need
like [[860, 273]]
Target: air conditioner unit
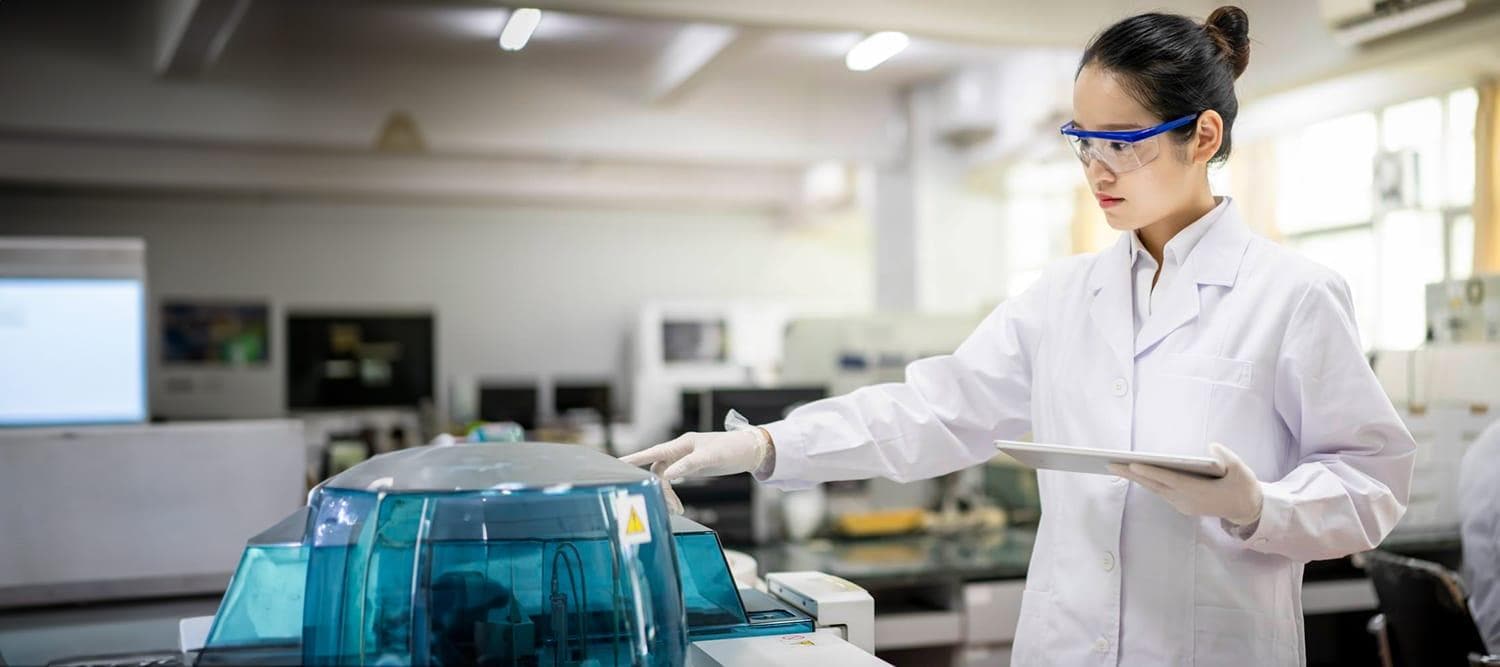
[[1356, 22]]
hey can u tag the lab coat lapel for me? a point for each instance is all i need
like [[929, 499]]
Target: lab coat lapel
[[1110, 309], [1214, 261]]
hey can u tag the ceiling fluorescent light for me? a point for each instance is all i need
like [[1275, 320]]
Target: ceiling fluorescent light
[[875, 49], [519, 28]]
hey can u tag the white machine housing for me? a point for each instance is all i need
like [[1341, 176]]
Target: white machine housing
[[843, 613]]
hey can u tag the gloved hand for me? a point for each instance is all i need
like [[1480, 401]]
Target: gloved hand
[[703, 454], [1235, 497]]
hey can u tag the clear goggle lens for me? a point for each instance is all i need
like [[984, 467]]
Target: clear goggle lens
[[1117, 156]]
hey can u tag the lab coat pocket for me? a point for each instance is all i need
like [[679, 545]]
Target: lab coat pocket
[[1217, 370], [1237, 407], [1224, 636], [1032, 633]]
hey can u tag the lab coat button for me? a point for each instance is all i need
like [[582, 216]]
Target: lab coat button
[[1108, 561], [1119, 387], [1101, 645]]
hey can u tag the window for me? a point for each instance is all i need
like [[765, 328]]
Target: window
[[1350, 252], [1461, 247], [1387, 249], [1459, 173], [1410, 257], [1417, 126], [1324, 175]]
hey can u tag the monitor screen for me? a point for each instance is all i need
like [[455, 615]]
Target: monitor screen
[[358, 360], [693, 416], [72, 351], [694, 341], [215, 333], [509, 403], [571, 396], [760, 405]]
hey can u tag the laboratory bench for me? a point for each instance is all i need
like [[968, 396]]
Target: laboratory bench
[[955, 599]]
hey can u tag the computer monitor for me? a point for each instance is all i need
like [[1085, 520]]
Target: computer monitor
[[759, 405], [694, 340], [512, 402], [694, 416], [567, 396], [359, 360], [72, 331]]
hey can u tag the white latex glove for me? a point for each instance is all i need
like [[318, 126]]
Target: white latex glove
[[703, 455], [1235, 497]]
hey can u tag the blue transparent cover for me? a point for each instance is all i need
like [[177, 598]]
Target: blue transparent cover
[[504, 554]]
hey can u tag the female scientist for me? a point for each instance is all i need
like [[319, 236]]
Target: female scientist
[[1191, 335]]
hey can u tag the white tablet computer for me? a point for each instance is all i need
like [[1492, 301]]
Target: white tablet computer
[[1094, 461]]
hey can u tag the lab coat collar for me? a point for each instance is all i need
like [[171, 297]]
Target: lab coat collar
[[1181, 246], [1217, 252], [1215, 260]]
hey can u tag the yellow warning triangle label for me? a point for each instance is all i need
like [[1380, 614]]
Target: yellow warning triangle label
[[634, 525]]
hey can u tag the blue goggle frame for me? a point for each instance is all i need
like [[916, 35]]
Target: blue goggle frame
[[1129, 136]]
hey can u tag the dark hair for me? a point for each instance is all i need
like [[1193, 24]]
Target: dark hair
[[1175, 66]]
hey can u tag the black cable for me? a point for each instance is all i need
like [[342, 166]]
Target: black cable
[[573, 587], [562, 642], [583, 585]]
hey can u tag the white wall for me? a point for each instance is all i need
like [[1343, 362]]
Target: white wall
[[516, 290]]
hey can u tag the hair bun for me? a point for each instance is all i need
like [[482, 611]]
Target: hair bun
[[1229, 27]]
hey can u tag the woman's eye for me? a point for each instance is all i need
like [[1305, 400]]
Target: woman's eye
[[1119, 146]]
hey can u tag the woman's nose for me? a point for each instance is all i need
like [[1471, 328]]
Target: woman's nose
[[1097, 172]]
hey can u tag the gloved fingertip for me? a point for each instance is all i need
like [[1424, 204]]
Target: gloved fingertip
[[675, 472], [1222, 452]]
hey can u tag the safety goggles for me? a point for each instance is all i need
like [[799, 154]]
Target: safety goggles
[[1120, 151]]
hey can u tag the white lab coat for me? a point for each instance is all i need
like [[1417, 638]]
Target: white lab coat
[[1250, 345]]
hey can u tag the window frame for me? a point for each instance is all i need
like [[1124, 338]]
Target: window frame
[[1448, 213]]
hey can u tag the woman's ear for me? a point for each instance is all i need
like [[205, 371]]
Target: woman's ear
[[1208, 137]]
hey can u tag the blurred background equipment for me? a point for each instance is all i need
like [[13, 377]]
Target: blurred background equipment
[[509, 403], [1464, 311], [359, 360], [72, 331], [138, 511], [229, 334]]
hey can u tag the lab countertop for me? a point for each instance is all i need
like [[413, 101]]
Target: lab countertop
[[924, 559], [907, 560]]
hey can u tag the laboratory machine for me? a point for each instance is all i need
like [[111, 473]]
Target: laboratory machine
[[513, 554]]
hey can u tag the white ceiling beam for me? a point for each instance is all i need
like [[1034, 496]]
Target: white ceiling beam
[[146, 165], [192, 33], [684, 57]]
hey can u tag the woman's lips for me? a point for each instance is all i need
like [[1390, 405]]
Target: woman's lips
[[1106, 201]]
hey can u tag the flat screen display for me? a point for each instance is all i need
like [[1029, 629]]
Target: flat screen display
[[72, 351], [359, 360]]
